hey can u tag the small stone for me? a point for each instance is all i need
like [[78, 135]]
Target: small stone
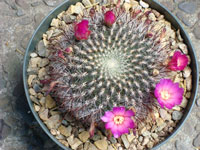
[[176, 108], [196, 141], [127, 6], [25, 20], [53, 122], [70, 10], [150, 145], [188, 7], [130, 137], [79, 8], [69, 18], [113, 140], [55, 23], [50, 103], [37, 88], [35, 100], [145, 141], [152, 17], [64, 142], [142, 130], [92, 147], [183, 47], [33, 55], [87, 3], [32, 91], [110, 147], [20, 13], [44, 114], [143, 4], [177, 115], [36, 107], [187, 72], [30, 79], [154, 135], [140, 139], [41, 49], [66, 131], [164, 115], [188, 95], [189, 83], [146, 133], [84, 136], [184, 102], [125, 141], [60, 137], [101, 144], [53, 131], [44, 62], [42, 72], [34, 62], [22, 4], [74, 143]]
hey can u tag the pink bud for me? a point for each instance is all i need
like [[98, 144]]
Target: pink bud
[[60, 54], [68, 50], [109, 18], [81, 30], [178, 62]]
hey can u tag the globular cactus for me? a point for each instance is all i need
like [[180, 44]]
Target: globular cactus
[[113, 67]]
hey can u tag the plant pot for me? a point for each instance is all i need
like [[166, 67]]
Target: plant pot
[[43, 27]]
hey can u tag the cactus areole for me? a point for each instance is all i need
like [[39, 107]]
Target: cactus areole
[[99, 64]]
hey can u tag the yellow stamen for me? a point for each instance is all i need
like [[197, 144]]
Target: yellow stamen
[[118, 119], [165, 95], [178, 63]]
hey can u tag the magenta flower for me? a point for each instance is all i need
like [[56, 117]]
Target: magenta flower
[[81, 30], [178, 62], [168, 93], [118, 121], [109, 18]]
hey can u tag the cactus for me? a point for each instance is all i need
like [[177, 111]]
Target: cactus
[[113, 67]]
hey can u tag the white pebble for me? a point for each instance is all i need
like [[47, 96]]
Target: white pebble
[[33, 55], [144, 5]]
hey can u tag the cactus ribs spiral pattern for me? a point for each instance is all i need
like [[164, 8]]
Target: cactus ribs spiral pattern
[[113, 67]]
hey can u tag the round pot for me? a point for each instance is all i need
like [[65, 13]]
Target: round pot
[[43, 27]]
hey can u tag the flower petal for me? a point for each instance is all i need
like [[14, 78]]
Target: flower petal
[[129, 113], [119, 110]]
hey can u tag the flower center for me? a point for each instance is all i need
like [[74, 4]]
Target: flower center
[[165, 95], [118, 119], [178, 62]]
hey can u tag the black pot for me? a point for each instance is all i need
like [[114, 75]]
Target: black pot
[[43, 27]]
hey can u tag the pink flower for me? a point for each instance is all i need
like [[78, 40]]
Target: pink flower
[[81, 30], [178, 62], [168, 93], [118, 121], [109, 18]]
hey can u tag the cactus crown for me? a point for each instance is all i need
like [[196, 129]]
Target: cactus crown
[[113, 67]]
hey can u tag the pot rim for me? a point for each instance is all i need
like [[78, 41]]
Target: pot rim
[[156, 5]]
